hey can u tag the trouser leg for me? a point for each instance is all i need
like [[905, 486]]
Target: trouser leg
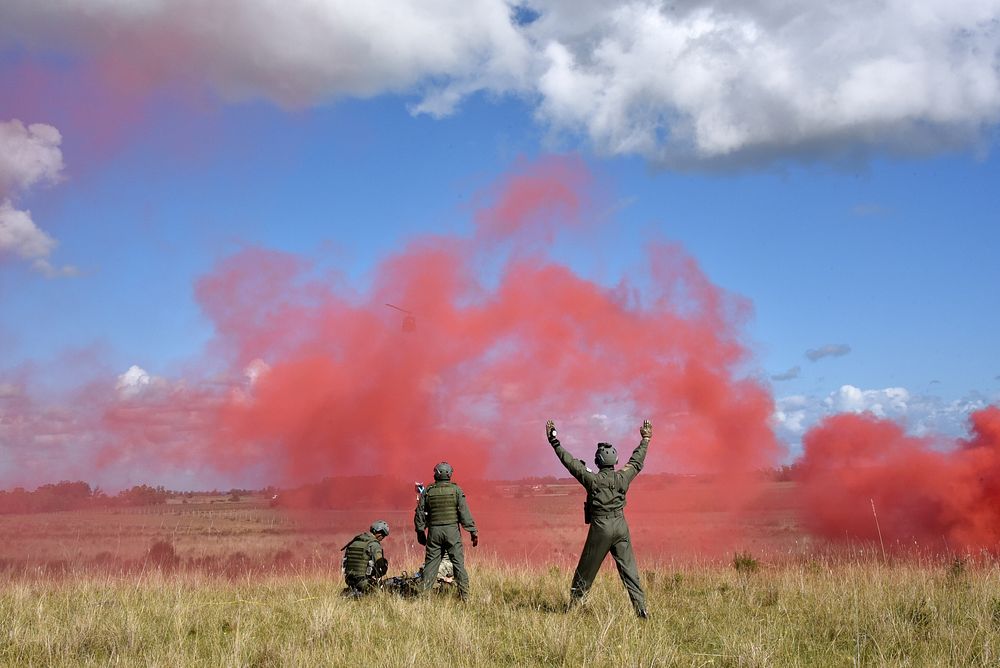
[[624, 557], [360, 585], [457, 555], [432, 557], [594, 550]]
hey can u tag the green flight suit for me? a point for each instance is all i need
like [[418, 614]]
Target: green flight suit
[[440, 510], [604, 511], [364, 563]]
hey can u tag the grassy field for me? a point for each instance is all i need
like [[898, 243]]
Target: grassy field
[[813, 614], [211, 582]]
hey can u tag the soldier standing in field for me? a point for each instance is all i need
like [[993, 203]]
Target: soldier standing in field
[[604, 512], [364, 561], [440, 510]]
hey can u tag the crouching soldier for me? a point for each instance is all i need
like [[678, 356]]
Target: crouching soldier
[[604, 512], [364, 561], [440, 510]]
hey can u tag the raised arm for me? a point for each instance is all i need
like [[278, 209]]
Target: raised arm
[[576, 467], [638, 458]]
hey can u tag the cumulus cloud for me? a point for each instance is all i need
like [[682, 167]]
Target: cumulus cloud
[[890, 402], [921, 414], [828, 350], [787, 375], [688, 82], [133, 382], [20, 235], [792, 415], [29, 155], [293, 52], [683, 83]]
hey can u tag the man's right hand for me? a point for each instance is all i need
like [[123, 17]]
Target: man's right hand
[[421, 538], [550, 430], [646, 430]]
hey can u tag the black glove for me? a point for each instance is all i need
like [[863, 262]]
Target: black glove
[[421, 538], [550, 433], [475, 539], [646, 430]]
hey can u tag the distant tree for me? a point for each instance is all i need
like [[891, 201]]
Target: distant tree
[[142, 495]]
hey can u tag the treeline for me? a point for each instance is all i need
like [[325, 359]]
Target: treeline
[[77, 495]]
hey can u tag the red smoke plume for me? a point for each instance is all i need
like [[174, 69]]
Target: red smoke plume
[[311, 379], [922, 491], [341, 388], [347, 389]]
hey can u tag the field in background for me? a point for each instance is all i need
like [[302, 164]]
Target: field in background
[[519, 523]]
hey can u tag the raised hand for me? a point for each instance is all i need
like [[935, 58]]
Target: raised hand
[[646, 430], [550, 430]]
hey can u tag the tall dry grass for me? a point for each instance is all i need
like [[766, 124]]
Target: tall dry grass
[[815, 613]]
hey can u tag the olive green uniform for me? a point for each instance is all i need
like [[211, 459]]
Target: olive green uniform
[[440, 510], [604, 511], [364, 562]]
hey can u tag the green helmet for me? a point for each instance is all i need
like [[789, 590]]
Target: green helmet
[[443, 471], [380, 526], [606, 455]]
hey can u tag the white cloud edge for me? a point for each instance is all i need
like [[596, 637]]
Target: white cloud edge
[[682, 84], [30, 155]]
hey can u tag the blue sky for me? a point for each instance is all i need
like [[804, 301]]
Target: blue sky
[[868, 237]]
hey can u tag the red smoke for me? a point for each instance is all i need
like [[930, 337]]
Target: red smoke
[[349, 390], [922, 492], [308, 378], [496, 352]]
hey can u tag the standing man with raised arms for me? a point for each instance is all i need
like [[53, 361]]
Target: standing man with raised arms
[[604, 512]]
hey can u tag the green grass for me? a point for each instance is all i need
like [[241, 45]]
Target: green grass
[[815, 614]]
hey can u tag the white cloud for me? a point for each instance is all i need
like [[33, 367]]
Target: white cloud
[[20, 235], [297, 51], [133, 382], [685, 82], [28, 155], [890, 402], [921, 414], [791, 414]]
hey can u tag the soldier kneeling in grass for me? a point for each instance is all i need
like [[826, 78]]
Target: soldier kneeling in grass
[[364, 561]]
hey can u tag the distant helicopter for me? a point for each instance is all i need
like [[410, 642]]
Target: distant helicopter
[[409, 320]]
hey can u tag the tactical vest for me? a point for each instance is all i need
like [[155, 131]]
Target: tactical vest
[[356, 559], [606, 497], [441, 501]]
